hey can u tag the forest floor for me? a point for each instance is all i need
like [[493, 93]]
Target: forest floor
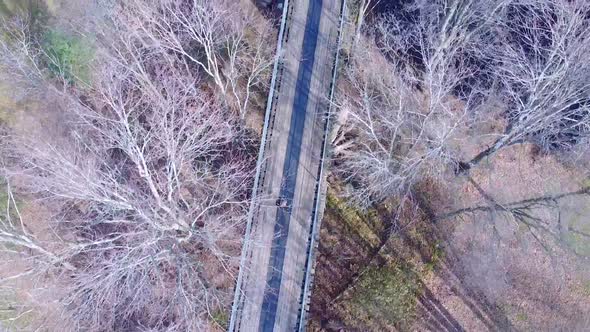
[[476, 272]]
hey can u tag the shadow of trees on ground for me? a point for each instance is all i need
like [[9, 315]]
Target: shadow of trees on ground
[[373, 274]]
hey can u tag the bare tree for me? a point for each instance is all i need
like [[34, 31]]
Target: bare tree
[[403, 105], [227, 43], [14, 234], [20, 57], [364, 7], [540, 215], [147, 185], [544, 74], [377, 128], [424, 77]]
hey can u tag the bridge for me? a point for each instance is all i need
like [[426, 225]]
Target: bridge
[[276, 268]]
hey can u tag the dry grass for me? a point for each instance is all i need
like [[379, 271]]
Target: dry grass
[[533, 278]]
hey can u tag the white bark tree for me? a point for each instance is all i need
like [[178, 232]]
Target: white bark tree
[[544, 71], [405, 108], [148, 183], [228, 43]]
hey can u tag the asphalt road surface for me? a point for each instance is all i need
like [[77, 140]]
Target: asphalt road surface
[[275, 269]]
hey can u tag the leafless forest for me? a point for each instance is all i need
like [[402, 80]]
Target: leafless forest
[[124, 207], [129, 132], [451, 66], [461, 140]]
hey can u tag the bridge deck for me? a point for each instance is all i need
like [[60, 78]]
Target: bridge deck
[[274, 273]]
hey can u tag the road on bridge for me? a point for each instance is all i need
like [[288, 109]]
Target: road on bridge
[[269, 294]]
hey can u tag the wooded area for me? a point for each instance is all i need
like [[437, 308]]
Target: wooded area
[[126, 197], [459, 173], [460, 169]]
